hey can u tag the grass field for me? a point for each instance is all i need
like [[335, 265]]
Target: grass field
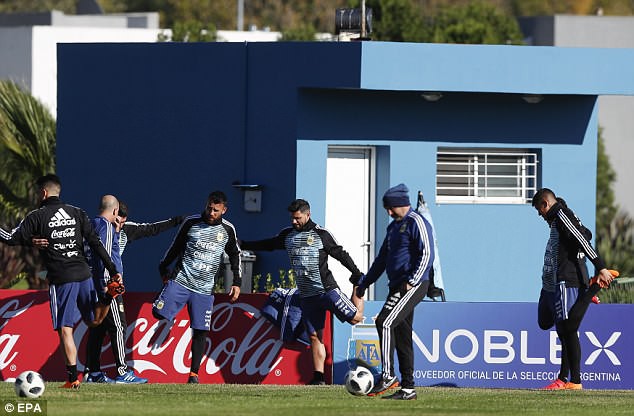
[[266, 400]]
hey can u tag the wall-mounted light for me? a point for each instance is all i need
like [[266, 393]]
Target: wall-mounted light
[[431, 96], [252, 196], [532, 98]]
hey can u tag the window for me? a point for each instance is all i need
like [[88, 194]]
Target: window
[[485, 176]]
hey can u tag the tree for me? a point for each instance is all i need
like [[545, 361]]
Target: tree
[[305, 32], [289, 14], [397, 21], [27, 151], [614, 228], [472, 22], [27, 140], [475, 23], [275, 14], [14, 6], [190, 31], [219, 13], [616, 243], [66, 6], [606, 205], [578, 7]]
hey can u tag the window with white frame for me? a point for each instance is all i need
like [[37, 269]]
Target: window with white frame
[[486, 176]]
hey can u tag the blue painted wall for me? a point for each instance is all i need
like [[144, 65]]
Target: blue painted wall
[[149, 124], [161, 125], [495, 68], [488, 252]]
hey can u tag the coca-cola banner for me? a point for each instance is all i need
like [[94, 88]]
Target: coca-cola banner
[[497, 345], [242, 346]]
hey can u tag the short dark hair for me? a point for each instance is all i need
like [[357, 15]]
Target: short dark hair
[[300, 205], [123, 209], [48, 180], [217, 197], [541, 194]]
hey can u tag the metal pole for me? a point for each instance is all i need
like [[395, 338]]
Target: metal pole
[[363, 32], [240, 19]]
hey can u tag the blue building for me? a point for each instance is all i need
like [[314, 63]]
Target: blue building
[[476, 128]]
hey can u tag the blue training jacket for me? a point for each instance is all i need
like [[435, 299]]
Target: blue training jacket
[[407, 253], [110, 240]]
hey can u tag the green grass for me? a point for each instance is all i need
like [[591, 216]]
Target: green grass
[[266, 400]]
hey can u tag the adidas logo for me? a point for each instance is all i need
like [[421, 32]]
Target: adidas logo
[[61, 219]]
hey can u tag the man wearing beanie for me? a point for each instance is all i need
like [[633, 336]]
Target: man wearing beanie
[[406, 255]]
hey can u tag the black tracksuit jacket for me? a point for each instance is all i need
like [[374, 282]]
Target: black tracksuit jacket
[[67, 229], [574, 239]]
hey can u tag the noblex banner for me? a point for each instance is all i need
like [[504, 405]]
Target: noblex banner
[[496, 345]]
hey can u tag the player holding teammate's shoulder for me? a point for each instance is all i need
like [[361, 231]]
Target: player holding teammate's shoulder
[[71, 288]]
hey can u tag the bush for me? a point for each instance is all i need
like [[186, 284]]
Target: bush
[[266, 284], [286, 280], [621, 291]]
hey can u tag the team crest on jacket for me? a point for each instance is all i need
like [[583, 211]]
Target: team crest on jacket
[[220, 236], [403, 228], [310, 240]]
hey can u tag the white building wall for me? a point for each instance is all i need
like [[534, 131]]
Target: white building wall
[[28, 43], [616, 114], [28, 54], [594, 31], [15, 55], [247, 36], [44, 57]]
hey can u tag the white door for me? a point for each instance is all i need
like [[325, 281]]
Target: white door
[[349, 212]]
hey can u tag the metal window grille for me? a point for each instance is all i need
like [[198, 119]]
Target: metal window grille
[[486, 176]]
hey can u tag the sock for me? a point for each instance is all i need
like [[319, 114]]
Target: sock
[[318, 376], [71, 370], [198, 346], [571, 347]]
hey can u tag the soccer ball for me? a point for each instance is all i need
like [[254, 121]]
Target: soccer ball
[[359, 381], [29, 384]]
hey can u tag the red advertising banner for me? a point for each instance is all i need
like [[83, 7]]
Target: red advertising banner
[[242, 346]]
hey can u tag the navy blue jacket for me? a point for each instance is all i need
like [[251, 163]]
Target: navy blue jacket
[[406, 255]]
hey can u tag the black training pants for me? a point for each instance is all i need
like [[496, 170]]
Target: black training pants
[[394, 325], [114, 325]]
